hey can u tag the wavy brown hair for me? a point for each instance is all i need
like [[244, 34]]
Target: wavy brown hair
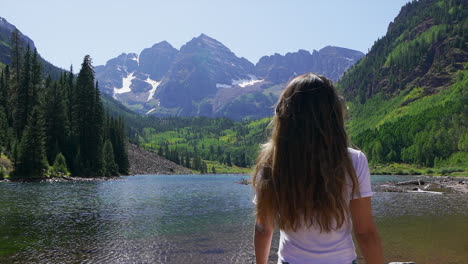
[[300, 176]]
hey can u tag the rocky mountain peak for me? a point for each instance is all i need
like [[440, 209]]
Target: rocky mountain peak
[[162, 45], [204, 42]]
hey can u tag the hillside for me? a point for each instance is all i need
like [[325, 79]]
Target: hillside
[[408, 96], [407, 101], [6, 30]]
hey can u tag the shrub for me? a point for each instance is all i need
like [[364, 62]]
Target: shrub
[[59, 168]]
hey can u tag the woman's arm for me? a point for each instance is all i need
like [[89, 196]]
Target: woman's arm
[[262, 240], [365, 230]]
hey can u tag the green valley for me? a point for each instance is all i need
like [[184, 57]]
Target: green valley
[[407, 101]]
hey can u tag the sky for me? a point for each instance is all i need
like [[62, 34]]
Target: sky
[[65, 31]]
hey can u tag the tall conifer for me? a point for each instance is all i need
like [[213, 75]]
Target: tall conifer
[[110, 168], [55, 119], [22, 108], [32, 160], [88, 120], [36, 78]]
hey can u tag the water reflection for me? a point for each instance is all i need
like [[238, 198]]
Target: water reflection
[[197, 219]]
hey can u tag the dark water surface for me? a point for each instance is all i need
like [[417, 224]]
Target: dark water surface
[[195, 219]]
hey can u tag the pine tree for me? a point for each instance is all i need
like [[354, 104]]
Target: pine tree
[[88, 120], [22, 107], [121, 153], [32, 160], [16, 51], [3, 91], [97, 125], [228, 159], [55, 120], [60, 166], [36, 78], [110, 167], [3, 130]]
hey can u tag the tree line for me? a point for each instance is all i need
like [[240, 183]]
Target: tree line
[[56, 127]]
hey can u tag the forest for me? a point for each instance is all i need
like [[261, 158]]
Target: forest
[[56, 127]]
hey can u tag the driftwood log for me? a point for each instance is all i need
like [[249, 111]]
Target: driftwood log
[[412, 182]]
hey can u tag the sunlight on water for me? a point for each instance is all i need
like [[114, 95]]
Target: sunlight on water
[[197, 219]]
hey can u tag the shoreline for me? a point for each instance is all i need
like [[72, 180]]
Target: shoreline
[[89, 179]]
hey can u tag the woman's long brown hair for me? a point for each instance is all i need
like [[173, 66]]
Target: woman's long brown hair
[[300, 176]]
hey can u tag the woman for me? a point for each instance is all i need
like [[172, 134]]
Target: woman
[[310, 184]]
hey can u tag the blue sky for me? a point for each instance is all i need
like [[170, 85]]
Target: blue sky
[[64, 31]]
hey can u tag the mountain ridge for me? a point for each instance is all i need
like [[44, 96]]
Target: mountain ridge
[[212, 78]]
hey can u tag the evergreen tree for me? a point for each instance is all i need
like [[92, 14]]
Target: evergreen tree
[[88, 120], [3, 130], [55, 119], [110, 167], [160, 151], [36, 79], [3, 91], [60, 166], [16, 51], [121, 152], [22, 107], [228, 159], [32, 160], [97, 125]]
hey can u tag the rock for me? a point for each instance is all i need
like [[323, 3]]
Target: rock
[[412, 182], [244, 181], [146, 162]]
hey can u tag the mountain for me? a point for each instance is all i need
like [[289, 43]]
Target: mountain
[[330, 61], [408, 95], [133, 79], [6, 30], [202, 68], [205, 78]]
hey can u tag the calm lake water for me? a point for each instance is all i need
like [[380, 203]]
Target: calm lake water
[[195, 219]]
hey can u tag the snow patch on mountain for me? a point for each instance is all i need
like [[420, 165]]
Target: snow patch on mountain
[[247, 82], [154, 84], [240, 82], [126, 82], [150, 111], [136, 58], [222, 85]]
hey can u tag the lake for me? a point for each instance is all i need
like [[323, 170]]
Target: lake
[[195, 219]]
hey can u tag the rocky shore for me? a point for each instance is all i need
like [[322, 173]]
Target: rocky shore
[[146, 162], [430, 185]]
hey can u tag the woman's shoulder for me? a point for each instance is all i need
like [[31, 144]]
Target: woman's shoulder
[[358, 158], [355, 153]]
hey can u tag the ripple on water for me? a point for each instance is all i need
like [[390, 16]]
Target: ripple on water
[[193, 219]]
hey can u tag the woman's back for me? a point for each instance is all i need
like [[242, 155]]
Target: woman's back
[[337, 246], [308, 182]]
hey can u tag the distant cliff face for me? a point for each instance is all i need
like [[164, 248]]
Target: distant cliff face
[[329, 61], [133, 79], [202, 67], [205, 78]]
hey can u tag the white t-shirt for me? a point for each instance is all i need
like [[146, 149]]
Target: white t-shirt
[[309, 245]]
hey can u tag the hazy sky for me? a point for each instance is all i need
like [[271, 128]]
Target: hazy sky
[[64, 31]]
